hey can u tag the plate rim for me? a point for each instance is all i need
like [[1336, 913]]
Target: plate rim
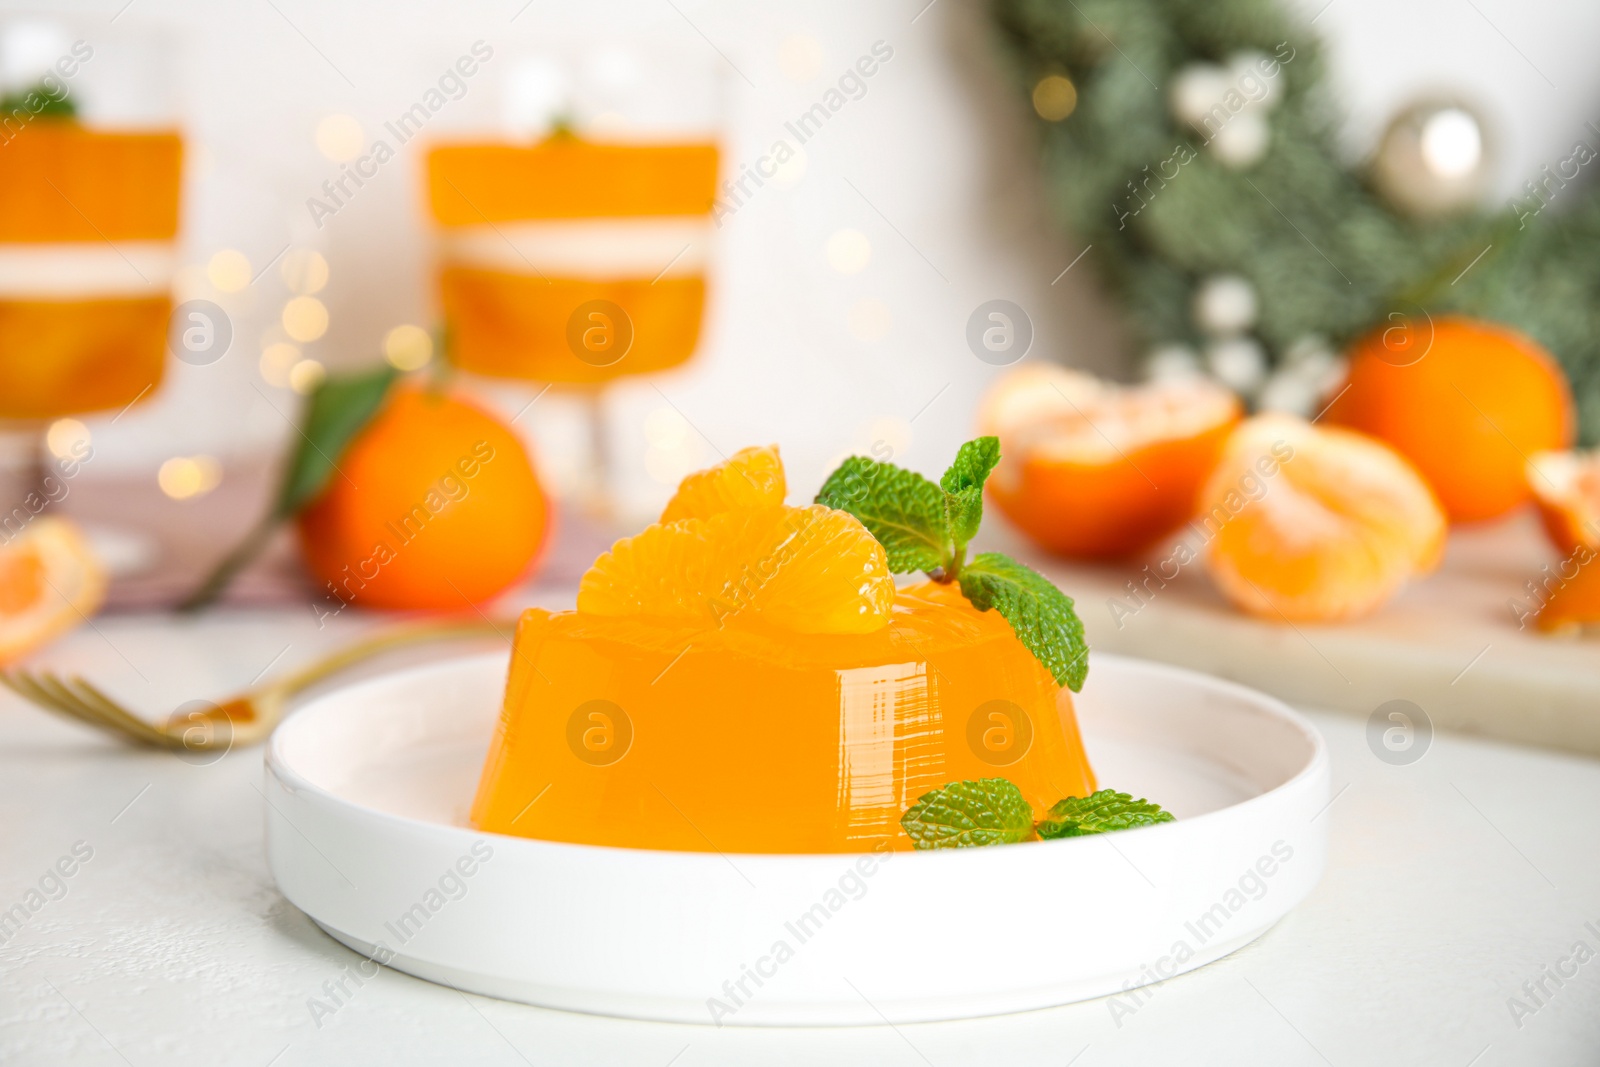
[[276, 764]]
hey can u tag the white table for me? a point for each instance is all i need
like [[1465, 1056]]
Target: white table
[[1452, 882]]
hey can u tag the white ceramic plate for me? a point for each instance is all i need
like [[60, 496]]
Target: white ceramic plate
[[368, 789]]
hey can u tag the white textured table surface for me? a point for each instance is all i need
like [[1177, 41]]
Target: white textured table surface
[[1452, 882]]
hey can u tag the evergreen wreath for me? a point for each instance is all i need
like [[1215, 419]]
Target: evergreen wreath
[[1256, 188]]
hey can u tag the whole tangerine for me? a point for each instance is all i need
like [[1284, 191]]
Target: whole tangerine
[[1467, 401], [433, 506]]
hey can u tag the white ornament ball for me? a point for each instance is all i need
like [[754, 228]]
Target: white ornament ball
[[1195, 89], [1247, 71], [1225, 305], [1311, 359], [1239, 363], [1172, 363], [1289, 393], [1242, 140]]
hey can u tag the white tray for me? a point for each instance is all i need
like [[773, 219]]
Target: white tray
[[368, 789]]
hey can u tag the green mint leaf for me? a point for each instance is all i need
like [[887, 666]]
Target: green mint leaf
[[974, 461], [1100, 813], [990, 811], [1041, 614], [963, 513], [963, 486], [901, 508], [41, 101], [339, 409]]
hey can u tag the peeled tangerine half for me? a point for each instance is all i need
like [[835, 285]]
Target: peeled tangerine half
[[50, 582], [747, 678], [1306, 523], [1089, 469], [1566, 486]]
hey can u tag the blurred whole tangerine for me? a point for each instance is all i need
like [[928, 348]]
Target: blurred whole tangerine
[[1093, 470], [434, 506], [1466, 401]]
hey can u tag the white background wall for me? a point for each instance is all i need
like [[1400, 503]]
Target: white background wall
[[933, 165]]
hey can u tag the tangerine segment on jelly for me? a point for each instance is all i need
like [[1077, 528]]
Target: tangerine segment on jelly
[[747, 678]]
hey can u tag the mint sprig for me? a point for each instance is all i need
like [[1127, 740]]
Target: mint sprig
[[901, 508], [927, 527], [990, 811], [993, 811], [963, 487], [1100, 813], [1042, 615]]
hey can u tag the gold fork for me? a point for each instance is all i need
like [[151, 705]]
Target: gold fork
[[245, 719]]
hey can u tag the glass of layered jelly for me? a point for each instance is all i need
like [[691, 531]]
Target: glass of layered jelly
[[573, 242]]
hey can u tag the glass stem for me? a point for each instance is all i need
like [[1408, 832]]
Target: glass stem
[[600, 463]]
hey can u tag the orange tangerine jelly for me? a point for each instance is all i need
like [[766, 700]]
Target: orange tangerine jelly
[[643, 732], [572, 261], [510, 325]]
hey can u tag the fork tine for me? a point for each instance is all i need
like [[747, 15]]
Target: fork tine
[[50, 694], [93, 700], [28, 688], [63, 696]]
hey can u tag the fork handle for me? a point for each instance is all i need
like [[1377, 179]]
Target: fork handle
[[367, 647]]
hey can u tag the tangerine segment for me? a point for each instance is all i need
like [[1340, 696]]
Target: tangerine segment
[[1316, 524], [1574, 603], [750, 478], [645, 733], [50, 581], [1566, 486], [1090, 469], [809, 570], [1467, 406]]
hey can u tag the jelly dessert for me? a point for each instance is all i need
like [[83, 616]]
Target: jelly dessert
[[746, 677], [531, 238], [86, 263]]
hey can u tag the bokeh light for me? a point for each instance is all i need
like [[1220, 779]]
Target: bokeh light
[[276, 361], [67, 438], [304, 271], [339, 138], [186, 477], [407, 347], [1055, 97], [306, 375], [305, 318], [849, 251], [228, 271]]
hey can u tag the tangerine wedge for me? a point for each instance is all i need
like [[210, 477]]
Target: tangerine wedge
[[750, 478], [1093, 470], [1572, 604], [810, 570], [50, 582], [1306, 523], [1566, 487]]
